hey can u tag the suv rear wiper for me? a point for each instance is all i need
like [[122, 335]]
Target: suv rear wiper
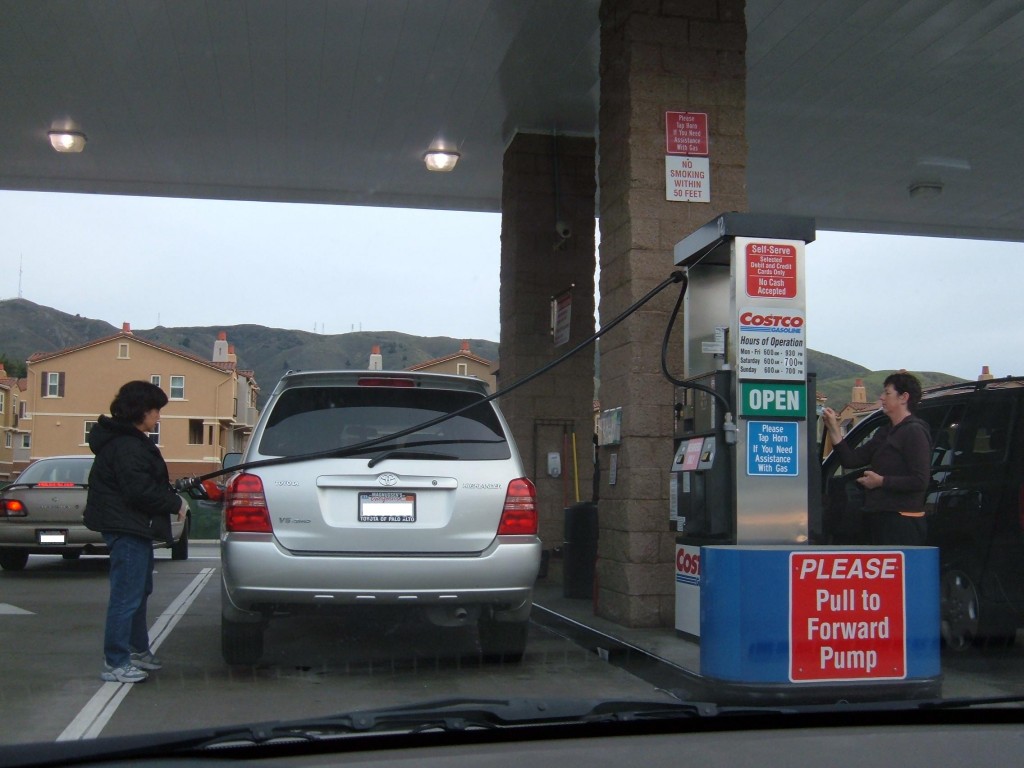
[[406, 453], [410, 450]]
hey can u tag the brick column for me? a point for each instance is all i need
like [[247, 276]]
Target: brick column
[[548, 179], [656, 56]]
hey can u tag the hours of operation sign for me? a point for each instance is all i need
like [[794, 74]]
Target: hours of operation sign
[[772, 344]]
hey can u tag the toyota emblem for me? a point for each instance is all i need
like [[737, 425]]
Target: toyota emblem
[[388, 478]]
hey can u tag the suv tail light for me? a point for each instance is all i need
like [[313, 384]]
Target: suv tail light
[[245, 506], [12, 508], [519, 515]]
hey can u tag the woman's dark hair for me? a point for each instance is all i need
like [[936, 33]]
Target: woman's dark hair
[[134, 399], [904, 382]]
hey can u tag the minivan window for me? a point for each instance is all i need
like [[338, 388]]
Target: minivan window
[[313, 419]]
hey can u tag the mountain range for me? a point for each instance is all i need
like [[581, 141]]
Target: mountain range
[[27, 328]]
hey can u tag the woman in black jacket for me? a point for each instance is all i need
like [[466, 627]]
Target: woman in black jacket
[[130, 502], [898, 456]]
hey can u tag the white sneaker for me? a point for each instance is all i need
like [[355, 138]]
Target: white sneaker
[[129, 673], [146, 660]]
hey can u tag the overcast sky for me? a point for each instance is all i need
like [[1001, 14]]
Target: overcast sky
[[884, 302]]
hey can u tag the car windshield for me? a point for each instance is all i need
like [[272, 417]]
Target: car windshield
[[419, 374]]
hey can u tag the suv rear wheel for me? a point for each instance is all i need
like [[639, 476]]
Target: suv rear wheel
[[502, 641], [241, 643]]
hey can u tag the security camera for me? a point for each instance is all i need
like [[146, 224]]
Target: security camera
[[563, 230]]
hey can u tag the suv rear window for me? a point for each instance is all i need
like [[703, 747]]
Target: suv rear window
[[314, 419]]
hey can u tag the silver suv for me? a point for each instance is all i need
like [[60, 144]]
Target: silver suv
[[414, 495]]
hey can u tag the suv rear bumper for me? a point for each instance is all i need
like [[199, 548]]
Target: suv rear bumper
[[260, 575]]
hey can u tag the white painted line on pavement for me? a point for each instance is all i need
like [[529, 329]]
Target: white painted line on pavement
[[12, 610], [101, 707]]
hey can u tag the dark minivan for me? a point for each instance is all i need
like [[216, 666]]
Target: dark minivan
[[975, 505]]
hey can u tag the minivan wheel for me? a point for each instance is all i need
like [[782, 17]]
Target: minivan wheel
[[13, 559], [961, 610], [502, 641], [241, 644]]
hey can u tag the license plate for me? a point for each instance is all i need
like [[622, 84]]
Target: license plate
[[387, 507], [52, 537]]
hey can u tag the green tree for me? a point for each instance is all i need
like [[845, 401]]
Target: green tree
[[16, 369]]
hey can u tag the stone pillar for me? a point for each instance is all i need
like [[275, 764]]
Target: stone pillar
[[549, 180], [656, 56]]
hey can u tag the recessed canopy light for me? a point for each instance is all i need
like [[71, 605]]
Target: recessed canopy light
[[442, 160], [67, 141]]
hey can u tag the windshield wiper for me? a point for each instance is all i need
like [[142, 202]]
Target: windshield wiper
[[451, 715]]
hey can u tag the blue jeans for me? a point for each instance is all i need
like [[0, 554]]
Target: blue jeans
[[131, 584]]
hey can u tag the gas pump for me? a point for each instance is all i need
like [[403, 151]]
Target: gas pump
[[742, 456]]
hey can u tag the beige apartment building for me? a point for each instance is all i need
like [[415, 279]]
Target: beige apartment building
[[211, 409], [13, 439], [463, 363]]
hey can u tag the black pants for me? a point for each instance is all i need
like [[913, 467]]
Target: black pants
[[894, 529]]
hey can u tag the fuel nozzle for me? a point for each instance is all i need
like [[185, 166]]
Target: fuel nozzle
[[730, 430], [191, 486]]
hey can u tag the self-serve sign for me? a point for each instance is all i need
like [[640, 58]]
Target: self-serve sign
[[773, 399]]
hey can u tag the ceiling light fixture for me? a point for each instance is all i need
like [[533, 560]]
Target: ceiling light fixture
[[925, 189], [440, 159], [67, 141]]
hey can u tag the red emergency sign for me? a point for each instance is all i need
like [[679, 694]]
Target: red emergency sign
[[686, 133], [847, 616]]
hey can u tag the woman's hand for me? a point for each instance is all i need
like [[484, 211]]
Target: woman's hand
[[182, 511], [870, 480], [831, 420]]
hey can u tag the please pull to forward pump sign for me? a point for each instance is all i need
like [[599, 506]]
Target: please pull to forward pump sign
[[847, 616]]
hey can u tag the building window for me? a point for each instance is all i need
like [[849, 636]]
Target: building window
[[177, 388], [26, 440], [23, 409], [7, 440], [155, 434], [195, 431], [122, 351], [88, 426], [462, 369], [3, 401], [52, 384], [155, 379]]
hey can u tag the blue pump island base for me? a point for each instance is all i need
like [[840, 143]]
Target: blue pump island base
[[808, 624]]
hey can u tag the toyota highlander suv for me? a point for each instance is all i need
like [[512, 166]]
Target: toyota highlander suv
[[380, 488]]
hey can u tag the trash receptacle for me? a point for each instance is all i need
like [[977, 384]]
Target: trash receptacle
[[579, 552]]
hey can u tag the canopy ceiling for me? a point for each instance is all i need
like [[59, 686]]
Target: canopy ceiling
[[849, 103]]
